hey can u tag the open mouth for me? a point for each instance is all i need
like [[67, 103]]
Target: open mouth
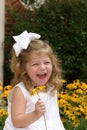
[[42, 76]]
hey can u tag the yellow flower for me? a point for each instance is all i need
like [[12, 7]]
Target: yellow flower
[[3, 112], [64, 81], [37, 90], [1, 86]]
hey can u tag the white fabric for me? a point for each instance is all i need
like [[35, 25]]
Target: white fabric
[[23, 40], [52, 112]]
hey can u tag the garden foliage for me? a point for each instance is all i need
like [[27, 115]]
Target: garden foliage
[[64, 25]]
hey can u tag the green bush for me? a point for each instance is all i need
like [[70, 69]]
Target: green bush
[[2, 121], [64, 25]]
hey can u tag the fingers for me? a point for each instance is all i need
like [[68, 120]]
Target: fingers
[[40, 107]]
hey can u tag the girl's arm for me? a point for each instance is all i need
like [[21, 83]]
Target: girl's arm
[[21, 119]]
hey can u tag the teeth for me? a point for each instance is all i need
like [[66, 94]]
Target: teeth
[[41, 74]]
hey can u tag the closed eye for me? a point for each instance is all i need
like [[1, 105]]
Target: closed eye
[[47, 62], [36, 64]]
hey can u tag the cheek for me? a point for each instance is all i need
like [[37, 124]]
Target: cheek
[[51, 67], [50, 70], [31, 72]]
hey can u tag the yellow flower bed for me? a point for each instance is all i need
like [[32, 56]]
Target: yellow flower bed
[[73, 101], [4, 91]]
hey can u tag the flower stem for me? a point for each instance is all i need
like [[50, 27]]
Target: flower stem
[[43, 115], [45, 121]]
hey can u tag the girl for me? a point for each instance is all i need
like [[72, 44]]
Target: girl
[[33, 64]]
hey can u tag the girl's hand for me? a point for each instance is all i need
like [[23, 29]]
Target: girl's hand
[[40, 107]]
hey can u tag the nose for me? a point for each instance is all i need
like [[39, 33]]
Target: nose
[[42, 66]]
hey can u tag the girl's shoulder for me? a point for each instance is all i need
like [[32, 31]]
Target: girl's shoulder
[[51, 90], [22, 89]]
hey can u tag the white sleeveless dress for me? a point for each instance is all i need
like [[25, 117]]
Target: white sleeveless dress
[[52, 116]]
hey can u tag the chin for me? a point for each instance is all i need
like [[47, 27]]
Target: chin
[[42, 84]]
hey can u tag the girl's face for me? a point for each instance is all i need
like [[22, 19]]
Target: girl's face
[[39, 68]]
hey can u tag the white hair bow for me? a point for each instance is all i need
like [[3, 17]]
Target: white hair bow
[[23, 40]]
